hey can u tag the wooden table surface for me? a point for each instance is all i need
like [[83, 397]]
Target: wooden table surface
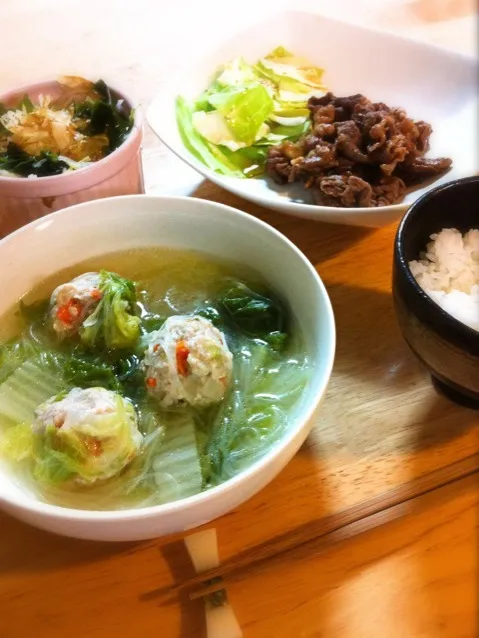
[[382, 429]]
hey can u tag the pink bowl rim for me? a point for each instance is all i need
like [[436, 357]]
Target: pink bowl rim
[[66, 182]]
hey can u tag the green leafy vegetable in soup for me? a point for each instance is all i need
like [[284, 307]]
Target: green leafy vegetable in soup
[[88, 371], [254, 314], [112, 322], [99, 308], [127, 392]]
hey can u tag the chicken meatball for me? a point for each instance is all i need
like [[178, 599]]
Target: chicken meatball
[[91, 434], [71, 303], [187, 361]]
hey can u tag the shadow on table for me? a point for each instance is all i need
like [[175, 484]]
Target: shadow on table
[[317, 240], [192, 613], [21, 552]]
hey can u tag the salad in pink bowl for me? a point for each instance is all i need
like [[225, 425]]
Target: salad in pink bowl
[[64, 142]]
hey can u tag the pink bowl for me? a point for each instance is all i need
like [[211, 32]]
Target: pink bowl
[[24, 199]]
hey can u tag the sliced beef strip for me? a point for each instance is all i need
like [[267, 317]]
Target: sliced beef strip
[[426, 165], [292, 150], [310, 142], [346, 191], [322, 118], [349, 140], [278, 166], [321, 158], [425, 131], [389, 190]]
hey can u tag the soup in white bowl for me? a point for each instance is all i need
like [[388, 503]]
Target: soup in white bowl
[[165, 381]]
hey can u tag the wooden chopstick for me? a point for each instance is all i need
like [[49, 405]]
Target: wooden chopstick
[[319, 534]]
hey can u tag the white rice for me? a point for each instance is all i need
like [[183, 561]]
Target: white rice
[[448, 271]]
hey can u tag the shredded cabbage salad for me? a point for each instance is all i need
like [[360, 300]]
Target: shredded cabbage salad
[[246, 109]]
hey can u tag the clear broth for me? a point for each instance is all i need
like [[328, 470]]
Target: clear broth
[[176, 282]]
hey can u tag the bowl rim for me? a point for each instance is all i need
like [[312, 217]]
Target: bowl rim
[[57, 512], [54, 180], [288, 205], [415, 209]]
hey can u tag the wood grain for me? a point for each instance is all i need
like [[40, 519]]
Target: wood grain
[[414, 578], [52, 587], [326, 532], [382, 427]]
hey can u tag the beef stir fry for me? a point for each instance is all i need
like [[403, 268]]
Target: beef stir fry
[[358, 153]]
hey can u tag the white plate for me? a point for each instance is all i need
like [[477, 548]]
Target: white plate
[[432, 84]]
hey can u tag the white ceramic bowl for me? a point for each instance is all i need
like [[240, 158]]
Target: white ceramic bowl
[[102, 226], [432, 84]]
